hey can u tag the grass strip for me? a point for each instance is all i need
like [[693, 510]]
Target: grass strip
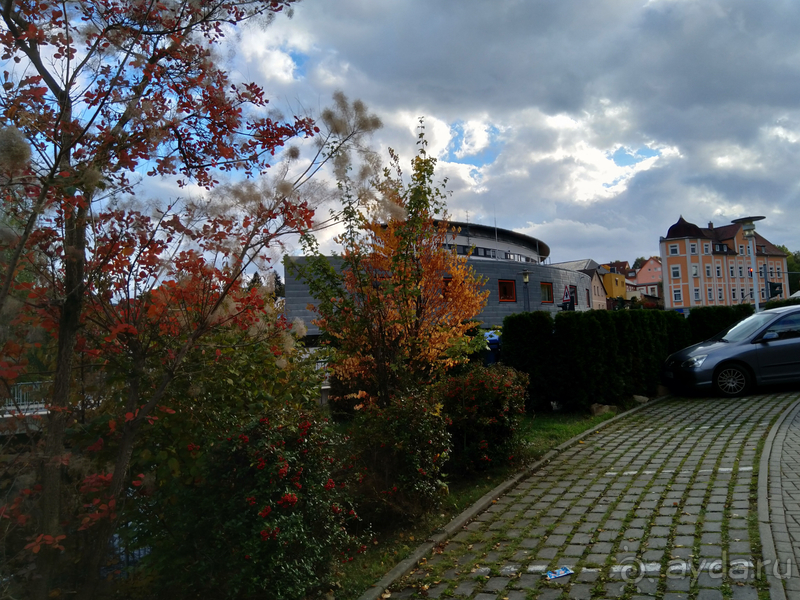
[[392, 544]]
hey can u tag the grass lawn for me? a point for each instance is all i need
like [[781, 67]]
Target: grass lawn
[[390, 546]]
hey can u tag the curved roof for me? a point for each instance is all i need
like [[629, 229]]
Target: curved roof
[[503, 235], [684, 229]]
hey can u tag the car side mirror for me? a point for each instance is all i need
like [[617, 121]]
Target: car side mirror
[[770, 335]]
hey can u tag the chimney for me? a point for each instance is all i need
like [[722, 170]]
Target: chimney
[[710, 225]]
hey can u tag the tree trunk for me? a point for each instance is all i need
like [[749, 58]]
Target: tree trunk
[[56, 421]]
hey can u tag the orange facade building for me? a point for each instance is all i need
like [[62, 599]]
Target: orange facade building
[[712, 266]]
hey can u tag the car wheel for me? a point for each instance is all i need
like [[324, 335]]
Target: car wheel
[[732, 380]]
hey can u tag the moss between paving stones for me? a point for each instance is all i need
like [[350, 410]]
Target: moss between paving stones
[[660, 513]]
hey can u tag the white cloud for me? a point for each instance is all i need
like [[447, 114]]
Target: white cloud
[[476, 138]]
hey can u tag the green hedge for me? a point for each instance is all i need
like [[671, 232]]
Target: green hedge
[[707, 321], [581, 358]]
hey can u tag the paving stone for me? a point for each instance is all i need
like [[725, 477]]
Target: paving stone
[[527, 581], [709, 594], [437, 590], [465, 588], [744, 592], [588, 575], [495, 584], [678, 584], [580, 591], [551, 552], [614, 590]]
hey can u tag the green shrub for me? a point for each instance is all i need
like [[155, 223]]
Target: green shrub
[[706, 321], [268, 518], [582, 358], [483, 407], [779, 303], [398, 452], [527, 345]]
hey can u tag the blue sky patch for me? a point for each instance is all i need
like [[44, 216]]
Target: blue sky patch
[[485, 156], [300, 61], [624, 157]]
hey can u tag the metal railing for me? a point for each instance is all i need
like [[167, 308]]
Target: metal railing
[[26, 399]]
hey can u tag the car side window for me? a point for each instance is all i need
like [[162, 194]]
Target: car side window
[[788, 327]]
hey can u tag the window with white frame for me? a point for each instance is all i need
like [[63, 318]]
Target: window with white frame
[[762, 294], [741, 249], [772, 271], [779, 271], [708, 270], [733, 274], [695, 271], [733, 293], [692, 248], [697, 294], [743, 294], [673, 249], [677, 296], [720, 295], [676, 271], [710, 294], [706, 248], [719, 271]]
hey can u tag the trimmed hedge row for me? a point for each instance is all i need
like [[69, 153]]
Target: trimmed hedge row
[[707, 321], [581, 358]]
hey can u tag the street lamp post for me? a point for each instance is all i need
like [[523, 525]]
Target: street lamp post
[[749, 232], [526, 302]]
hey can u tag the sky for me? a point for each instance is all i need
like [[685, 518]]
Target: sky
[[591, 125]]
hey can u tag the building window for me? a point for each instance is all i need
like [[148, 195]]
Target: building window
[[720, 296], [692, 248], [779, 272], [733, 273], [507, 290], [748, 250], [719, 271], [710, 294], [733, 293], [708, 270], [695, 271], [673, 249], [743, 294], [676, 296], [697, 294], [772, 271], [573, 293], [588, 299], [547, 292], [741, 249], [676, 271], [706, 248]]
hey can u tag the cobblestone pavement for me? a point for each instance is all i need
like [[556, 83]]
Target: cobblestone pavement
[[783, 506], [661, 503]]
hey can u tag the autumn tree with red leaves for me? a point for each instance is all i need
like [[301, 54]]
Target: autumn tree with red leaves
[[96, 95]]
